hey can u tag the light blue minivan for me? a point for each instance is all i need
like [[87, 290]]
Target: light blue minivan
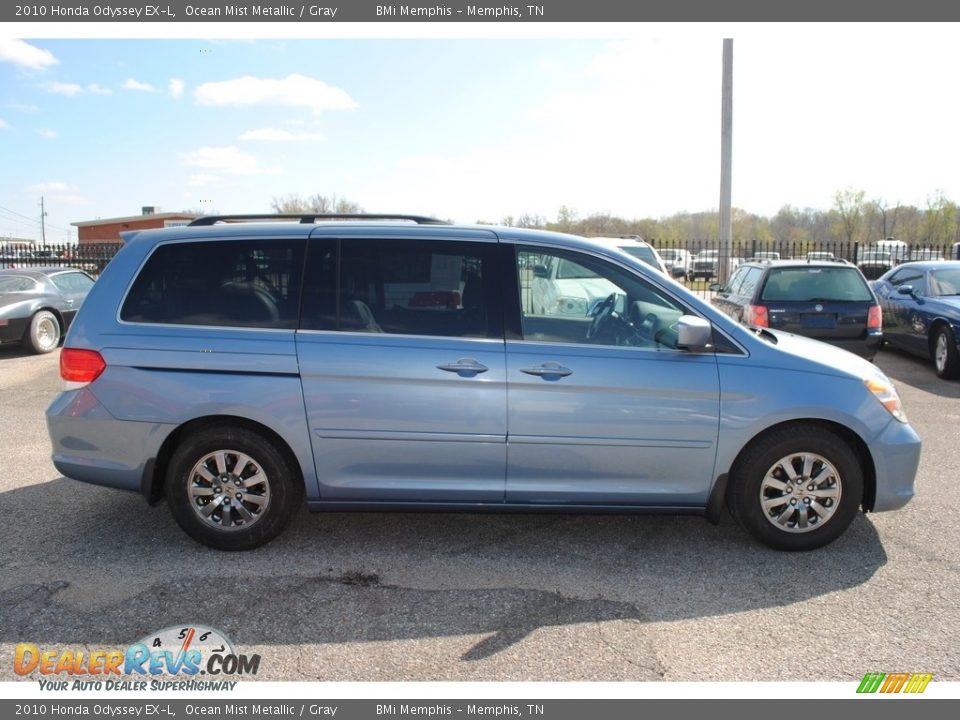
[[242, 364]]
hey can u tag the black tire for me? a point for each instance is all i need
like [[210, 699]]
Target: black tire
[[802, 527], [946, 361], [43, 334], [244, 516]]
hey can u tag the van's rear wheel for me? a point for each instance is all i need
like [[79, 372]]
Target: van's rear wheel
[[797, 488], [230, 489]]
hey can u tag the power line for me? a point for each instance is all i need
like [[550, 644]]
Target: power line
[[14, 212]]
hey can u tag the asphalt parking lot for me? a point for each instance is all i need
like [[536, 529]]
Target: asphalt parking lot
[[487, 597]]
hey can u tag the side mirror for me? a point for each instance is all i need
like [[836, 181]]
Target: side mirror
[[715, 287], [693, 333], [905, 290], [541, 271]]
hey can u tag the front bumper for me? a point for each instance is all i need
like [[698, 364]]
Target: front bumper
[[896, 456], [13, 329]]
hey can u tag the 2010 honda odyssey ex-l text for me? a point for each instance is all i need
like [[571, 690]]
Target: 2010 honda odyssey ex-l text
[[240, 365]]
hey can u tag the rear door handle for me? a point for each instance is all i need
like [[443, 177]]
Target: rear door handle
[[548, 369], [464, 365]]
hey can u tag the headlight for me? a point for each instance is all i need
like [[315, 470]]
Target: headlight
[[884, 392], [571, 306]]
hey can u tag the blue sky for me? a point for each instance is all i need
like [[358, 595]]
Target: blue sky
[[472, 129]]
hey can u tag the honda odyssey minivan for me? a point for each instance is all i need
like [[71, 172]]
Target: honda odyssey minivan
[[241, 366]]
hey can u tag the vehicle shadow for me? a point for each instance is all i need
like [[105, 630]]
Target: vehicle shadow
[[13, 350], [90, 566], [916, 372]]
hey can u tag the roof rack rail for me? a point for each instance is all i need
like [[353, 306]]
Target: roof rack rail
[[308, 218]]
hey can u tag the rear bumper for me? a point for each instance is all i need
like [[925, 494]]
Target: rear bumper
[[92, 446], [896, 456]]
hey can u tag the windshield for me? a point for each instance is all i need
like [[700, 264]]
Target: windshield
[[875, 257], [16, 283], [568, 269], [642, 253], [844, 284], [945, 282]]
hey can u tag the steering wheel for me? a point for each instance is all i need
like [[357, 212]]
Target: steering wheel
[[601, 313]]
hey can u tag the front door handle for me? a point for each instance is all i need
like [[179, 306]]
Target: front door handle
[[548, 369], [464, 365]]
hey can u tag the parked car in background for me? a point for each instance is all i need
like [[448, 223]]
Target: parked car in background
[[897, 249], [706, 265], [820, 255], [823, 300], [874, 263], [37, 305], [678, 261], [239, 368], [633, 245], [922, 254], [766, 255], [921, 307]]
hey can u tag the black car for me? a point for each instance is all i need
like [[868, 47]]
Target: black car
[[37, 305], [827, 300]]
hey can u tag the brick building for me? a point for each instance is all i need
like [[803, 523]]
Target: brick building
[[107, 230]]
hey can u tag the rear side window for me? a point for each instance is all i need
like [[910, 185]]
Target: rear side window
[[821, 284], [404, 287], [72, 282], [230, 283]]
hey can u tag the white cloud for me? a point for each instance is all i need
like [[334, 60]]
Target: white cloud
[[25, 55], [3, 123], [68, 89], [228, 160], [23, 107], [51, 187], [275, 135], [98, 89], [48, 134], [132, 84], [175, 88], [291, 91], [202, 180]]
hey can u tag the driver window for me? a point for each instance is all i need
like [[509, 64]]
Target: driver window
[[575, 298]]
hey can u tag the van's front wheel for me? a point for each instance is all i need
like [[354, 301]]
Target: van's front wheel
[[797, 488], [230, 489]]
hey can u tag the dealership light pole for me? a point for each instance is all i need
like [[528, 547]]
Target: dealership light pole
[[726, 158]]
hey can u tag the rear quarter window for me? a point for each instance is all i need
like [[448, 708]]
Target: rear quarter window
[[229, 283]]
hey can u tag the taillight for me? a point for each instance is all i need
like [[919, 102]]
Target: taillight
[[875, 318], [757, 315], [81, 366]]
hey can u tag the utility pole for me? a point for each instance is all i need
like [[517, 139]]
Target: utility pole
[[726, 158], [43, 225]]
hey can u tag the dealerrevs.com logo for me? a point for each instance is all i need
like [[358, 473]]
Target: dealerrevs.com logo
[[174, 658]]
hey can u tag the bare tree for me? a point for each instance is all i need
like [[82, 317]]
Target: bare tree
[[848, 206], [885, 218], [315, 204]]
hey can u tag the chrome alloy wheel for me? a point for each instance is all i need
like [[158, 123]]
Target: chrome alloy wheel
[[940, 352], [228, 490], [47, 333], [800, 492]]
